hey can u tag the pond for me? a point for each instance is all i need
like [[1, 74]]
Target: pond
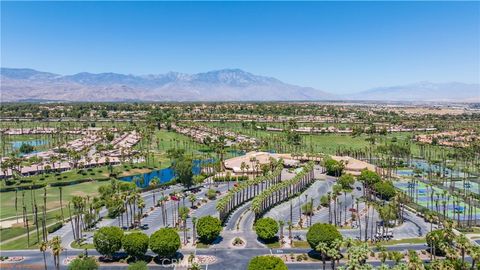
[[165, 175], [17, 144]]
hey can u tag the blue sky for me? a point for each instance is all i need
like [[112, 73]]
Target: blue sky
[[339, 47]]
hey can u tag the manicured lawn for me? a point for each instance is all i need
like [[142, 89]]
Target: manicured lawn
[[82, 246], [301, 244], [273, 244], [21, 243], [419, 240], [202, 245], [7, 199], [8, 233]]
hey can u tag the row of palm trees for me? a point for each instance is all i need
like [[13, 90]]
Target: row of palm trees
[[283, 190], [246, 190]]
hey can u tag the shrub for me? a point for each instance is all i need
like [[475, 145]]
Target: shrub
[[266, 263], [208, 228], [135, 244], [108, 240], [165, 242], [266, 228], [83, 263], [140, 265], [307, 208], [211, 194], [55, 227], [324, 200], [322, 233]]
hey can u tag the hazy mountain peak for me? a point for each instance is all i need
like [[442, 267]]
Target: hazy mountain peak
[[217, 85], [25, 73]]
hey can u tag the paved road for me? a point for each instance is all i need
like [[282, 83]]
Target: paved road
[[315, 192], [154, 219], [232, 259]]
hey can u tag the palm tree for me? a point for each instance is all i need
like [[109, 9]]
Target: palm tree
[[323, 248], [60, 200], [463, 243], [43, 248], [194, 232], [56, 246], [192, 198], [281, 223], [334, 255], [474, 252]]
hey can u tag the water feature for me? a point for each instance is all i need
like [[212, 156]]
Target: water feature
[[17, 144], [164, 175]]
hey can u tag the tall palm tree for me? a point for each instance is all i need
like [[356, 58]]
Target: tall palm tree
[[56, 247], [323, 248], [43, 248], [60, 189], [281, 223]]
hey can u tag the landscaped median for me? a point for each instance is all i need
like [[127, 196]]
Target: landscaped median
[[283, 190], [246, 191]]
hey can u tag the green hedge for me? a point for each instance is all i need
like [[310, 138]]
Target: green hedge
[[22, 187], [78, 181], [68, 183], [55, 227]]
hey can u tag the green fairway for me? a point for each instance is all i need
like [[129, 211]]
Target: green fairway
[[7, 200]]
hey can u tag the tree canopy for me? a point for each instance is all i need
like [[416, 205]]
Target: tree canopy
[[266, 263], [322, 233], [135, 244], [266, 228], [165, 242], [108, 240], [208, 228]]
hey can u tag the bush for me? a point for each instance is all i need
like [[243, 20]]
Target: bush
[[165, 242], [211, 194], [208, 229], [324, 200], [83, 263], [266, 228], [266, 263], [108, 240], [385, 190], [307, 208], [322, 233], [55, 227], [140, 265], [135, 244]]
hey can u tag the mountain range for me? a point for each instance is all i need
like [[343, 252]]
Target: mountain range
[[220, 85]]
